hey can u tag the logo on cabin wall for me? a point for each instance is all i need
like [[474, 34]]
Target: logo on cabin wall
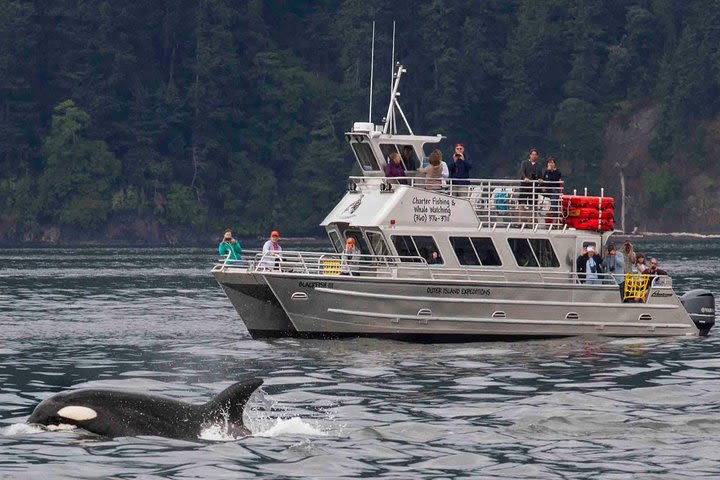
[[350, 209]]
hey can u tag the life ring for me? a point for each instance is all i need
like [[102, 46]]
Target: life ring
[[578, 201], [590, 223], [606, 214]]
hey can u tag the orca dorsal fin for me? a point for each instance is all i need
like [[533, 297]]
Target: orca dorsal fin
[[232, 400]]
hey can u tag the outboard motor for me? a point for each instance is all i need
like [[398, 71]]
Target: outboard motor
[[700, 304]]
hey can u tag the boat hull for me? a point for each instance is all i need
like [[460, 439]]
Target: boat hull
[[346, 306], [256, 304]]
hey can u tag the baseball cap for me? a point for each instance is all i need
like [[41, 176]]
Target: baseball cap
[[274, 233], [590, 248]]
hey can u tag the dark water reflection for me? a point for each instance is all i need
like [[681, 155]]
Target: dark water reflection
[[154, 320]]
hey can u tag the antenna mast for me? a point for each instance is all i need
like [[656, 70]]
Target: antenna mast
[[372, 64]]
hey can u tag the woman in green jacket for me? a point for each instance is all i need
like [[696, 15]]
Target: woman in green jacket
[[229, 245]]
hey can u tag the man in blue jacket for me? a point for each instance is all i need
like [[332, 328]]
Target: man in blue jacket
[[459, 166]]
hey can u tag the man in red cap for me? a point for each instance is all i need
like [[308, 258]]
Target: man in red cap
[[271, 251], [459, 166]]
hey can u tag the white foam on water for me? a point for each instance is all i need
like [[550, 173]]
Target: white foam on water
[[291, 426], [20, 429], [216, 433], [63, 427], [280, 427]]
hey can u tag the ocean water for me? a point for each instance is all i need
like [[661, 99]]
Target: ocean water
[[154, 320]]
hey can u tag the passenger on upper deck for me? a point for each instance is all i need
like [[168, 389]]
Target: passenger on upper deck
[[588, 266], [394, 167], [229, 245], [552, 182], [459, 168], [530, 170], [408, 157], [434, 171]]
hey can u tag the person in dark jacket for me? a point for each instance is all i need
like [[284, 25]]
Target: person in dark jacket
[[654, 270], [552, 187], [394, 167], [459, 168], [588, 266], [530, 173]]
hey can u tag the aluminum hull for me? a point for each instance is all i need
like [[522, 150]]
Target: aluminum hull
[[256, 304], [340, 305]]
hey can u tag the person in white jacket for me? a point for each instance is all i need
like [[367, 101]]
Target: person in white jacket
[[271, 251]]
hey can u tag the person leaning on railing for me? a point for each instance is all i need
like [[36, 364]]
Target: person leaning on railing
[[229, 245], [654, 270]]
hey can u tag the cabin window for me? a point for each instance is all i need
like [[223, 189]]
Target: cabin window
[[365, 156], [335, 239], [464, 251], [475, 251], [377, 244], [407, 153], [533, 252], [486, 252], [359, 240], [544, 252], [523, 253], [415, 246]]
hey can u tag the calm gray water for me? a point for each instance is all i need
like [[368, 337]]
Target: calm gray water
[[154, 320]]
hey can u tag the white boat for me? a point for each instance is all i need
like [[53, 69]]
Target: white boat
[[506, 268]]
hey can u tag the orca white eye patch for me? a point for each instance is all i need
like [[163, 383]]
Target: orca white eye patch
[[77, 413]]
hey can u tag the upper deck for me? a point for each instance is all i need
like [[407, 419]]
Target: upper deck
[[494, 203]]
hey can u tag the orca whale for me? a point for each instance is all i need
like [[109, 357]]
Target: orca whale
[[114, 413]]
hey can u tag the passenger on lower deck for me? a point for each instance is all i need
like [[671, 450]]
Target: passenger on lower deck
[[654, 270], [350, 258], [589, 266], [640, 265]]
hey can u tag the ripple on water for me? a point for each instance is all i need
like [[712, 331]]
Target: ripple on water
[[155, 321]]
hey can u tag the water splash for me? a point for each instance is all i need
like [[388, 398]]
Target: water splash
[[292, 426], [17, 429]]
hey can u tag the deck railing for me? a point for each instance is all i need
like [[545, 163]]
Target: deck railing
[[399, 267], [496, 202]]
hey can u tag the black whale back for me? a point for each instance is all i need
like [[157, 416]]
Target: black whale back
[[131, 414]]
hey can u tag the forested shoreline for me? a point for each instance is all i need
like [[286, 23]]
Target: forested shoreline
[[168, 121]]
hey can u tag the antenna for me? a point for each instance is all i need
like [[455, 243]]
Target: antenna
[[392, 65], [392, 72], [372, 64]]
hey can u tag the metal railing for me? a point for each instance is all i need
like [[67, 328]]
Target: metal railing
[[248, 261], [496, 202], [406, 267]]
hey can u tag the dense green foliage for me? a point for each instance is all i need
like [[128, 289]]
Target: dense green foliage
[[202, 114]]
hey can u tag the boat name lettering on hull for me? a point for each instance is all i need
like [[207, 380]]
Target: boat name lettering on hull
[[316, 284], [658, 293], [435, 209], [459, 291]]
